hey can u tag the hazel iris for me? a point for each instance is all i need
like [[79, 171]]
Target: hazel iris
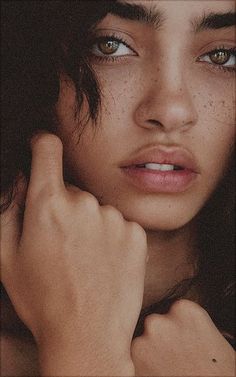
[[220, 57], [108, 46]]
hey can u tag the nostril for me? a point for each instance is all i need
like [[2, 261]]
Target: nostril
[[155, 122]]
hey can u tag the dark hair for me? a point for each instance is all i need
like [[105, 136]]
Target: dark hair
[[42, 39]]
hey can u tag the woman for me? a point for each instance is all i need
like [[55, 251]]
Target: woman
[[141, 96]]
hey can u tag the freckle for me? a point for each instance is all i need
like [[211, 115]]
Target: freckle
[[214, 360]]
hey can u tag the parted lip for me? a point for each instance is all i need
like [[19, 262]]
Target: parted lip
[[163, 155]]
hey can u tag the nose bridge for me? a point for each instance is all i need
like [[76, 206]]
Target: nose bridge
[[167, 99]]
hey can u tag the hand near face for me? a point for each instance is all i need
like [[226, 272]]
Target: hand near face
[[184, 342], [75, 274]]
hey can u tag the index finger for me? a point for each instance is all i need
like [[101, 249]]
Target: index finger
[[47, 164]]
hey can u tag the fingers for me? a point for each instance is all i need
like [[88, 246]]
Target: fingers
[[11, 219], [47, 166]]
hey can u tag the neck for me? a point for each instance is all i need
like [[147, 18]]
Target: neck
[[172, 258]]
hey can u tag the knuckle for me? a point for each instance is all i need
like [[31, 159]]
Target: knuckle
[[139, 234], [137, 345], [112, 212], [188, 308], [46, 202], [138, 229], [88, 201], [151, 323], [181, 306]]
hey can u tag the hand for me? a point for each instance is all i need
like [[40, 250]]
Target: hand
[[183, 342], [75, 274]]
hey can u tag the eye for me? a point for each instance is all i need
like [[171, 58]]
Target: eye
[[110, 46], [222, 57]]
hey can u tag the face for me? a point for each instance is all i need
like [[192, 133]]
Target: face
[[167, 121]]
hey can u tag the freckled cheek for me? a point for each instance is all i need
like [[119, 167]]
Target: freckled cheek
[[214, 133], [119, 89], [217, 101]]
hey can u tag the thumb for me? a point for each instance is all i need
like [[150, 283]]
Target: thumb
[[12, 220]]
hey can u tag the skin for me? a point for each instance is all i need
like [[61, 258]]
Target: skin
[[193, 103], [195, 348], [80, 250], [171, 89]]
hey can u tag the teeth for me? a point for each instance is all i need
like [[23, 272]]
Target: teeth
[[161, 167]]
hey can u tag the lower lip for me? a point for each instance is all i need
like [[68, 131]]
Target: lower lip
[[172, 181]]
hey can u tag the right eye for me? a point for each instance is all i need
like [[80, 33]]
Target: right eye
[[110, 46]]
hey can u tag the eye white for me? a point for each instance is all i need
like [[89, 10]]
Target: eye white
[[122, 50], [230, 63]]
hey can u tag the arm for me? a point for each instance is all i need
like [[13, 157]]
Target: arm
[[75, 274]]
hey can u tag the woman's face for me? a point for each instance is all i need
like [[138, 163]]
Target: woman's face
[[168, 101]]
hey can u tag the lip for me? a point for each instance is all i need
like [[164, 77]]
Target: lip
[[172, 181], [164, 155]]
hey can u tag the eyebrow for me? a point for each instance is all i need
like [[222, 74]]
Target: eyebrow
[[154, 17], [135, 12], [214, 21]]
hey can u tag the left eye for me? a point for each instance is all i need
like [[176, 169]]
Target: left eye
[[111, 46], [220, 57]]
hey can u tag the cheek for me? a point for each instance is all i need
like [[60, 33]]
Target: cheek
[[216, 98], [212, 138], [119, 86], [215, 149]]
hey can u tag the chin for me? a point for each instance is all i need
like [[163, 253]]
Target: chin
[[155, 218], [160, 224]]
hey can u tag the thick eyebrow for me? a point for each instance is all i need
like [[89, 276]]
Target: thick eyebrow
[[154, 17], [136, 12], [214, 21]]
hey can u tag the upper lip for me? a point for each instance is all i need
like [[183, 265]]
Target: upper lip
[[164, 155]]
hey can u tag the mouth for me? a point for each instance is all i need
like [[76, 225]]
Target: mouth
[[159, 167], [162, 170]]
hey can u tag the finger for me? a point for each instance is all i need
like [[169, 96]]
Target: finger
[[72, 188], [12, 219], [47, 166]]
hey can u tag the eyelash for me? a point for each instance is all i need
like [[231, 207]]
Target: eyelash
[[113, 37]]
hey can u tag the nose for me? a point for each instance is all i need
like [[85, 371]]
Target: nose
[[166, 104]]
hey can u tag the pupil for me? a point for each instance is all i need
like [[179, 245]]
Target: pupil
[[220, 57], [109, 47]]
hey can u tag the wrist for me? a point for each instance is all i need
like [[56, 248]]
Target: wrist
[[73, 355]]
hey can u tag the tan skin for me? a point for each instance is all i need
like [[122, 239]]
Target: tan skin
[[198, 116]]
